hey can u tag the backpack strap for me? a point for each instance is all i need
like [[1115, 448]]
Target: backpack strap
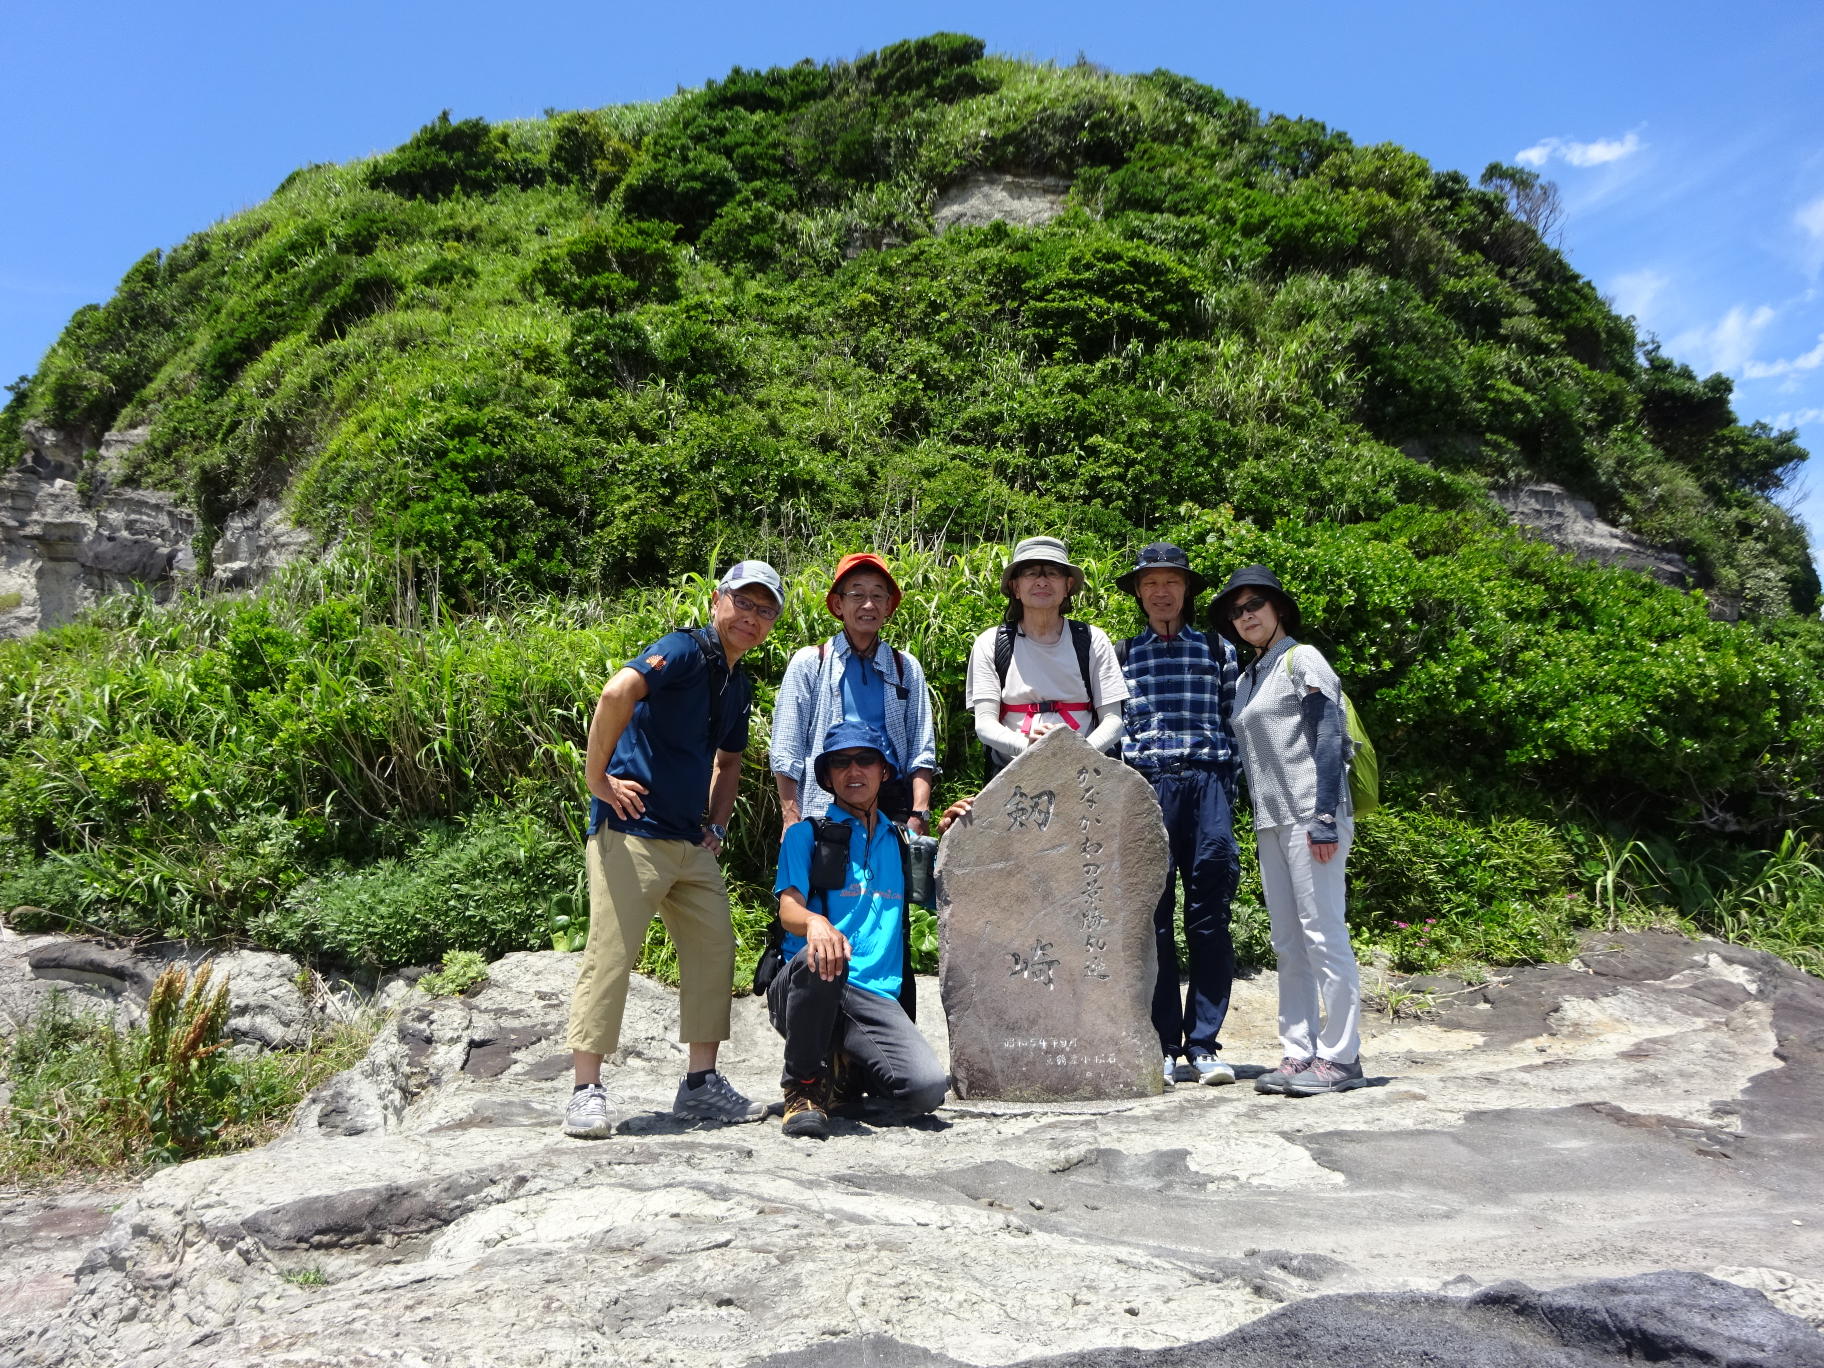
[[1003, 652], [908, 984], [1079, 637], [712, 658]]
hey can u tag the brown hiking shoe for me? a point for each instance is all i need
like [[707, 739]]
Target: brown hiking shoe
[[807, 1110]]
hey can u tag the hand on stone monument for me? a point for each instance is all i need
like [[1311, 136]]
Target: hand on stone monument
[[825, 947], [955, 813]]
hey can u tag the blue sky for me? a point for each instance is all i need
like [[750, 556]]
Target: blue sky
[[1687, 140]]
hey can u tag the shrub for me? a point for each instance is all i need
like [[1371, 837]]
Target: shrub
[[481, 888]]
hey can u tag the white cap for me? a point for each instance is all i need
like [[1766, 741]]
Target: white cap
[[748, 572]]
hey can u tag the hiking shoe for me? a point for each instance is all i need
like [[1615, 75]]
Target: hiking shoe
[[1210, 1070], [716, 1100], [1171, 1071], [1276, 1081], [1325, 1076], [806, 1114], [587, 1116]]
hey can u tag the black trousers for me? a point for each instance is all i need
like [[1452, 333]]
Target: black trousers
[[818, 1016]]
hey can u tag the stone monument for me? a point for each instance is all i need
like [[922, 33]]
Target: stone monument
[[1045, 920]]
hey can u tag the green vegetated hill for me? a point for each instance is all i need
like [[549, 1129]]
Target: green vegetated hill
[[544, 367]]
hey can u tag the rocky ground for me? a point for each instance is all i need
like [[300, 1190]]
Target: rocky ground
[[1654, 1106]]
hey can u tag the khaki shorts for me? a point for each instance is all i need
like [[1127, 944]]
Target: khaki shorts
[[631, 880]]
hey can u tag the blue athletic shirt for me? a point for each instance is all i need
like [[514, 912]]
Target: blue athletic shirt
[[667, 746], [870, 911]]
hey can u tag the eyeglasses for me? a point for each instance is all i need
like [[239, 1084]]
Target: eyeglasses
[[766, 612], [860, 596], [1253, 605], [1041, 571], [843, 760]]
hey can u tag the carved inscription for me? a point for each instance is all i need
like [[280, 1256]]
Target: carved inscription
[[1024, 807], [1037, 965], [1095, 942]]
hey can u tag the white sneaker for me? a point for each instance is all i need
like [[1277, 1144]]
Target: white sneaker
[[1211, 1069], [587, 1115], [1171, 1071]]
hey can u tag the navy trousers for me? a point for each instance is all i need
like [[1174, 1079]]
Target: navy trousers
[[1200, 835]]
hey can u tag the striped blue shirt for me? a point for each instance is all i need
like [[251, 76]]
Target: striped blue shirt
[[1181, 697]]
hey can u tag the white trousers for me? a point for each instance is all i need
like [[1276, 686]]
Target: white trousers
[[1320, 991]]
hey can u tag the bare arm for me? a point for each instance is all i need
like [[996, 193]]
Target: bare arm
[[921, 800], [613, 711], [724, 783], [825, 946], [788, 801]]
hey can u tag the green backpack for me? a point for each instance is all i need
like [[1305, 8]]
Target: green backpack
[[1364, 764]]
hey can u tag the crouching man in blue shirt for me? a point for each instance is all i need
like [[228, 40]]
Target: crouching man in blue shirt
[[843, 999]]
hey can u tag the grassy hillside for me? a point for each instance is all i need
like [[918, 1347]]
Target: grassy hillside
[[537, 377]]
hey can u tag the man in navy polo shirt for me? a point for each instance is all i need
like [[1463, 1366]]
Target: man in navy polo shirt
[[1181, 693], [847, 970], [665, 743]]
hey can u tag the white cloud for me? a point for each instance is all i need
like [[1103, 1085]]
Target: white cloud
[[1727, 344], [1797, 419], [1602, 150], [1634, 292], [1597, 153], [1811, 218], [1769, 370]]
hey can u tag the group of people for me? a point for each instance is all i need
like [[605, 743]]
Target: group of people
[[853, 754]]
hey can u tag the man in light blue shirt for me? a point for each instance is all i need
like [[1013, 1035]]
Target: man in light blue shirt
[[856, 677]]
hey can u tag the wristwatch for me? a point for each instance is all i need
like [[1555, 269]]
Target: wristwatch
[[717, 830], [923, 814]]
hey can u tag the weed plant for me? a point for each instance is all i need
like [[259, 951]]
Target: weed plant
[[89, 1097]]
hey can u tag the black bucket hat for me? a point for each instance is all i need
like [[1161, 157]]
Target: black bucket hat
[[1254, 577], [1164, 556]]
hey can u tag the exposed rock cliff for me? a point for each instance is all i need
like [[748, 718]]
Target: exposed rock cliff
[[1570, 523], [70, 534]]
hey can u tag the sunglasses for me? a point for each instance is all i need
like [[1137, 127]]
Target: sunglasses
[[766, 612], [843, 760], [1253, 605], [1041, 571]]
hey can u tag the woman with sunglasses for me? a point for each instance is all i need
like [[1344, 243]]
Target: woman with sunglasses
[[1040, 669], [1289, 725]]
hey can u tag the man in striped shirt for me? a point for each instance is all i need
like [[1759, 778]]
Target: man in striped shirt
[[1181, 692]]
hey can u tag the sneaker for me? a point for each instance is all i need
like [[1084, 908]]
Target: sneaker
[[1171, 1071], [1211, 1070], [587, 1114], [1276, 1081], [716, 1100], [806, 1114], [1325, 1076]]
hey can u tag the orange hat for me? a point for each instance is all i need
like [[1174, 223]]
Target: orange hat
[[861, 560]]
